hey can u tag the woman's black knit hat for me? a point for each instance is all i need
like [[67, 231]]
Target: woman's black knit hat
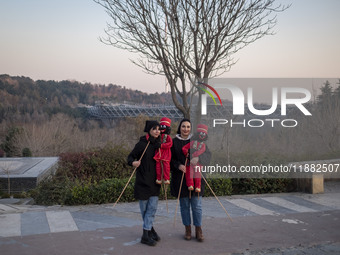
[[180, 124], [149, 124]]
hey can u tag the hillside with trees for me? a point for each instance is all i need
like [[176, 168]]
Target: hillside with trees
[[24, 100], [44, 117]]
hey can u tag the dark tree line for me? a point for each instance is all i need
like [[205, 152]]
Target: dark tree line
[[329, 96]]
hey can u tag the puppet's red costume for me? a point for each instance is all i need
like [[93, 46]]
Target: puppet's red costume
[[197, 148], [163, 154]]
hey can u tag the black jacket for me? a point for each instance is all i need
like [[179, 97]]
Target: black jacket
[[178, 158], [145, 184]]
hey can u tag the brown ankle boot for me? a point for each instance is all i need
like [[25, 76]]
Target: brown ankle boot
[[199, 234], [187, 235]]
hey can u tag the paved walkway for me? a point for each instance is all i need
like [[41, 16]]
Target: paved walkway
[[293, 223]]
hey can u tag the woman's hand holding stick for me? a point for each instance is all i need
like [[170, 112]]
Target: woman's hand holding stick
[[136, 166], [179, 192]]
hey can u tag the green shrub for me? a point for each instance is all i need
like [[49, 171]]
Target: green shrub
[[95, 165], [52, 191], [106, 191], [5, 195], [220, 186], [260, 186], [89, 177], [20, 195], [26, 152], [255, 185]]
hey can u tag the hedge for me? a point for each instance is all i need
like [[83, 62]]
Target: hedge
[[99, 176], [105, 191]]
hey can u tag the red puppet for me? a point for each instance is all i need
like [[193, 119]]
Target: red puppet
[[163, 154], [196, 148]]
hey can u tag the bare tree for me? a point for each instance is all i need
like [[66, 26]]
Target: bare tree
[[188, 41], [48, 138], [6, 167], [325, 123]]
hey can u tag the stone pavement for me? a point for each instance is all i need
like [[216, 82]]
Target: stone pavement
[[289, 223]]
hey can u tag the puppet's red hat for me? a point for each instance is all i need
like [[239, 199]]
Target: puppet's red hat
[[165, 121], [202, 128]]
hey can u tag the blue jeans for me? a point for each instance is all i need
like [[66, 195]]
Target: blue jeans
[[148, 210], [196, 207]]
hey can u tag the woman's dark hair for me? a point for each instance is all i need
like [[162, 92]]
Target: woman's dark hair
[[180, 124]]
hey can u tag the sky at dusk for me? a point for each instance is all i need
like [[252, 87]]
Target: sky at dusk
[[58, 40]]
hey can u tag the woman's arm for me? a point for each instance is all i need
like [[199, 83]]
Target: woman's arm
[[135, 154], [176, 154]]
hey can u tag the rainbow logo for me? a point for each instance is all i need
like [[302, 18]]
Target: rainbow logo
[[209, 93]]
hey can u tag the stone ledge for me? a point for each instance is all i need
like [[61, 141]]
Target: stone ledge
[[313, 182], [25, 173]]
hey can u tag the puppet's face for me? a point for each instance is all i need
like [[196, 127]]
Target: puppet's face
[[165, 129], [202, 135]]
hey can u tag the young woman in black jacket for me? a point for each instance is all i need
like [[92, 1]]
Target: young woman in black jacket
[[146, 190]]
